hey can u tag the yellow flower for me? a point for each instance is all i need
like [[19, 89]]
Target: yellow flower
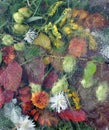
[[67, 30]]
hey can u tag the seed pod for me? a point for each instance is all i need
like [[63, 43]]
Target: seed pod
[[7, 40], [102, 91], [18, 17], [20, 28], [19, 46], [26, 12], [69, 63]]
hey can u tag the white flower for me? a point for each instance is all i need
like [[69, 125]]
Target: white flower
[[25, 124], [30, 36], [105, 51], [58, 102]]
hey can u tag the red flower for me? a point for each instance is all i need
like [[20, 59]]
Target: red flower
[[40, 99]]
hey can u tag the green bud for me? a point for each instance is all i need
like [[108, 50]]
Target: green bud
[[35, 87], [69, 63], [59, 86], [26, 12], [88, 83], [20, 28], [19, 46], [7, 40], [102, 91], [18, 17]]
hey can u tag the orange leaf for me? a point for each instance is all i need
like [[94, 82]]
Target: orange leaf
[[48, 119]]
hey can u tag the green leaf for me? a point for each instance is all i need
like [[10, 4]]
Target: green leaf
[[5, 123], [89, 70], [80, 4], [33, 51], [0, 57], [34, 18]]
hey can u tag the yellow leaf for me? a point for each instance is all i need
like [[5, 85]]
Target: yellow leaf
[[43, 41]]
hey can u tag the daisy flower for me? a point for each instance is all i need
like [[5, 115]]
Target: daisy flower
[[30, 36], [25, 123], [59, 102]]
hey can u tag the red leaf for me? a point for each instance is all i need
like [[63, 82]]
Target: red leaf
[[8, 95], [2, 100], [51, 78], [8, 54], [25, 98], [27, 107], [73, 115], [10, 78], [2, 97], [35, 71], [24, 90], [48, 119]]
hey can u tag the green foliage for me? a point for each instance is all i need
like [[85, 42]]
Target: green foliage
[[6, 124], [32, 51], [89, 70], [83, 126], [0, 57], [80, 4]]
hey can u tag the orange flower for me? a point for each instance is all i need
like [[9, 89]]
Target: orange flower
[[40, 99], [77, 47]]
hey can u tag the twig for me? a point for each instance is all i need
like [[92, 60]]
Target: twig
[[28, 2]]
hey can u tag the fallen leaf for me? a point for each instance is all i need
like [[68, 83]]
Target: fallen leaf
[[35, 71], [10, 78], [73, 115], [8, 95], [43, 41], [48, 119], [24, 90], [51, 78]]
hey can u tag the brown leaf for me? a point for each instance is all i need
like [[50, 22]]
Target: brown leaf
[[10, 78], [51, 78], [48, 119], [35, 71]]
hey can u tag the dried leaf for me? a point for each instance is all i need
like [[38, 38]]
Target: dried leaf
[[8, 95], [43, 41], [73, 115], [2, 100], [25, 98], [77, 47], [10, 78], [35, 71], [56, 62], [51, 78], [48, 119], [33, 51], [24, 90]]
